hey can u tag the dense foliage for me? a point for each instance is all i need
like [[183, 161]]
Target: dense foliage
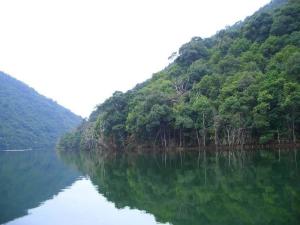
[[29, 120], [238, 86], [207, 188]]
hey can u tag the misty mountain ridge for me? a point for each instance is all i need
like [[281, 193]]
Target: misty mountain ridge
[[28, 119]]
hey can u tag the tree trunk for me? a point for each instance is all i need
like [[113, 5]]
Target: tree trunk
[[180, 138], [165, 140], [169, 136], [228, 136], [293, 131], [197, 135], [216, 137], [156, 137], [204, 130], [162, 139], [233, 136]]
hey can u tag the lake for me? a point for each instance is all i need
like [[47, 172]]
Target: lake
[[187, 188]]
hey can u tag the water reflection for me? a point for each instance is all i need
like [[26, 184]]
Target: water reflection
[[258, 187], [81, 204], [29, 178]]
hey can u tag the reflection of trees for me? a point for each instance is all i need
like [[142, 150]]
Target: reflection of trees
[[208, 188], [29, 178]]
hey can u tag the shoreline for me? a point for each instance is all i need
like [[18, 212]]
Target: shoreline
[[216, 148]]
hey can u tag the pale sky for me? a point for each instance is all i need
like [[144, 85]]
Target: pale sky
[[78, 52]]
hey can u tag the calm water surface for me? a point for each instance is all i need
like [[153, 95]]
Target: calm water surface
[[259, 187]]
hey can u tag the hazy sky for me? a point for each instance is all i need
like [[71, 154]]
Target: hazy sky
[[78, 52]]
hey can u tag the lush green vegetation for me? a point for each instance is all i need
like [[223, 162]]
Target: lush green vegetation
[[29, 120], [238, 86], [235, 187]]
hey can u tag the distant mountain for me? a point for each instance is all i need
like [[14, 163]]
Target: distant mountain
[[28, 119]]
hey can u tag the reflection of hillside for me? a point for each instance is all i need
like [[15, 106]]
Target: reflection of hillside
[[29, 178], [221, 188]]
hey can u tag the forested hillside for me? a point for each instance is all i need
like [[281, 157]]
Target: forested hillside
[[28, 119], [240, 86]]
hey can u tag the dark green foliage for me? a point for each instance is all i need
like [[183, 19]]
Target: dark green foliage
[[287, 20], [258, 28], [239, 46], [29, 120], [192, 51], [240, 86]]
